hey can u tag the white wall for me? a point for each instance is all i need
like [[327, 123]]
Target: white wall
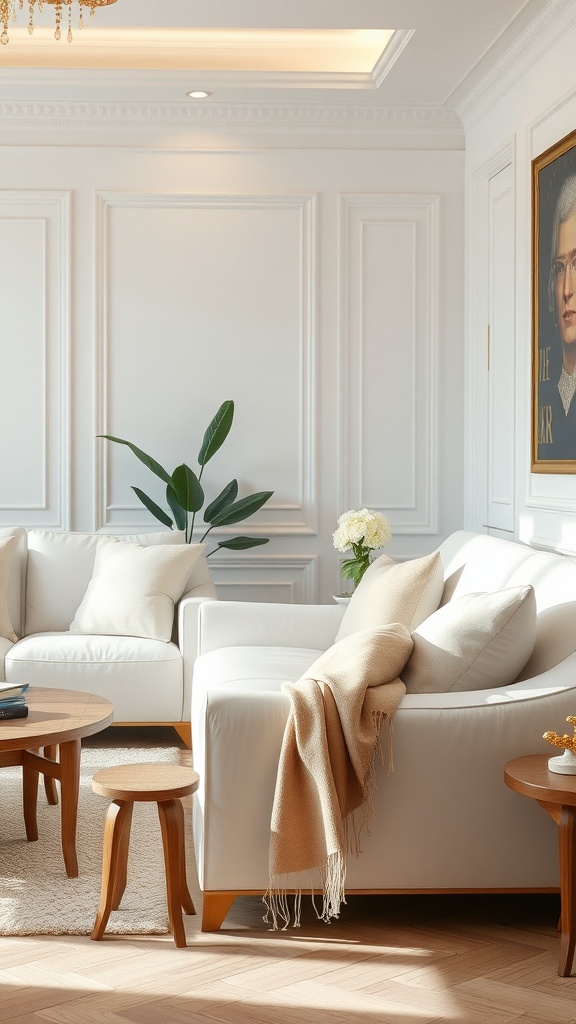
[[526, 104], [318, 287]]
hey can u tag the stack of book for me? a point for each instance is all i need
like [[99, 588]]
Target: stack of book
[[13, 700]]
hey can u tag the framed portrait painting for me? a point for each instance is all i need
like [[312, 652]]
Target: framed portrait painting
[[554, 308]]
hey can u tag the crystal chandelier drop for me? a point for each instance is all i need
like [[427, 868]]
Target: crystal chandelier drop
[[9, 8]]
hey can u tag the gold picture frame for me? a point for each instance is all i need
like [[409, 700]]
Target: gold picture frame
[[554, 308]]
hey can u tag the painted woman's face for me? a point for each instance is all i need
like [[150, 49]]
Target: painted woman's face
[[565, 279]]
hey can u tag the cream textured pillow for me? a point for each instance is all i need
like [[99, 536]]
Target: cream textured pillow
[[474, 642], [7, 545], [56, 555], [134, 587], [405, 592]]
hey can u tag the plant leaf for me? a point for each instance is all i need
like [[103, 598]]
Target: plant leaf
[[217, 432], [187, 488], [354, 568], [225, 498], [152, 507], [242, 509], [148, 461], [178, 512], [241, 543]]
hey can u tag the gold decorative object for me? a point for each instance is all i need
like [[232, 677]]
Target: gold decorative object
[[565, 741], [565, 765], [9, 9]]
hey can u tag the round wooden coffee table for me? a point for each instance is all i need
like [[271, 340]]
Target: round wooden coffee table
[[556, 794], [56, 723]]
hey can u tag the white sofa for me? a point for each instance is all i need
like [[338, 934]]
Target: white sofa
[[445, 820], [147, 681]]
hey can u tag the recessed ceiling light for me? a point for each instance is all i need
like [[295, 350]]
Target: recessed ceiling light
[[198, 94]]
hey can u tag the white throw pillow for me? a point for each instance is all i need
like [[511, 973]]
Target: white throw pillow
[[7, 548], [60, 566], [405, 592], [474, 642], [134, 587]]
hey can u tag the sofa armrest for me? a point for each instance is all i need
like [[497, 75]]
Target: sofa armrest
[[187, 635], [559, 679], [249, 623], [236, 741]]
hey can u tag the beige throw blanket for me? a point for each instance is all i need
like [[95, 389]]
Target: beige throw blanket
[[326, 769]]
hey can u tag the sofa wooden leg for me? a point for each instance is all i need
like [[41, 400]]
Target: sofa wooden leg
[[184, 730], [216, 907]]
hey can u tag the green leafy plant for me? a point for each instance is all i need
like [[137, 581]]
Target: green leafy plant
[[185, 494]]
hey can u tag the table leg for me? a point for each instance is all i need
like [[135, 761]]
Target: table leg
[[171, 841], [50, 789], [69, 789], [30, 802], [120, 866], [185, 897], [114, 860], [567, 849]]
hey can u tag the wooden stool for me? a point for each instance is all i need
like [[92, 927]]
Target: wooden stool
[[124, 784]]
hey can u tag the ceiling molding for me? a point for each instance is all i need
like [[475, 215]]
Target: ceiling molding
[[250, 117], [473, 106], [390, 54]]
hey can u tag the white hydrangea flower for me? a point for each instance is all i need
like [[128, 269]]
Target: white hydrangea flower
[[370, 529]]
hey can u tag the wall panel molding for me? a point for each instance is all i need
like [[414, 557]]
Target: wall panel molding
[[287, 517], [35, 295], [292, 579], [389, 254]]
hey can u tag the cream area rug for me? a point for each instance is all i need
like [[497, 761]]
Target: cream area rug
[[37, 897]]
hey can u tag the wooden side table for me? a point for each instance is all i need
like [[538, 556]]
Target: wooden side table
[[556, 794], [125, 784], [57, 722]]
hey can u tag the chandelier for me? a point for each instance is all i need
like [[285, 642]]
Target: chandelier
[[8, 10]]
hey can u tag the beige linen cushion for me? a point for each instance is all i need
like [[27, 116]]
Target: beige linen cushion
[[7, 548], [134, 587], [406, 592], [474, 642]]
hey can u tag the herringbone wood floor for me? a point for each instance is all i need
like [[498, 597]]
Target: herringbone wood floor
[[404, 959]]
